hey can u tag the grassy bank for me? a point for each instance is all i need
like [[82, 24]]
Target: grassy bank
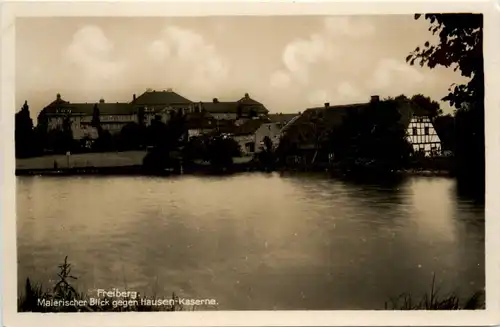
[[35, 299], [63, 297], [82, 160]]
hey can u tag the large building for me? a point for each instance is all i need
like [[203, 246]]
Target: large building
[[244, 108], [113, 116], [152, 104]]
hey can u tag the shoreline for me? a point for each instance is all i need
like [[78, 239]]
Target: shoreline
[[138, 170]]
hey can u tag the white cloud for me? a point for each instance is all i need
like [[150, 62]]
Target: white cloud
[[301, 55], [348, 26], [187, 56], [91, 52], [319, 97], [348, 91], [280, 79], [395, 75], [158, 50]]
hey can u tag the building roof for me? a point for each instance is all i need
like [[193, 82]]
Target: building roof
[[245, 104], [247, 101], [282, 118], [168, 97], [219, 107], [87, 109], [200, 120], [332, 116], [250, 127]]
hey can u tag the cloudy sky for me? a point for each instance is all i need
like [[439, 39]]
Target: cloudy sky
[[289, 62]]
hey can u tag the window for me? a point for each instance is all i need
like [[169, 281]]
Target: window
[[426, 130], [414, 131], [250, 147]]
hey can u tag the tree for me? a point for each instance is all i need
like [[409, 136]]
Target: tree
[[96, 119], [24, 135], [266, 156], [131, 136], [460, 47], [319, 130], [427, 105], [371, 138], [141, 116], [221, 151], [67, 134], [445, 128]]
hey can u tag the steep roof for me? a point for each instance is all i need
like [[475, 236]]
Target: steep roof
[[87, 109], [150, 98], [218, 107], [332, 116], [256, 105], [250, 127], [282, 118]]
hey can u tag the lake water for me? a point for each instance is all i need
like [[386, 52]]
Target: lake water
[[253, 241]]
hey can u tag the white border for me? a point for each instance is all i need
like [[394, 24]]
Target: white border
[[38, 8]]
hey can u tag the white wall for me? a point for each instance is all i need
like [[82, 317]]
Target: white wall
[[270, 130]]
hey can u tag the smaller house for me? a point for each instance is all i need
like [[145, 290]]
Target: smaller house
[[200, 123], [282, 119], [251, 134], [422, 135]]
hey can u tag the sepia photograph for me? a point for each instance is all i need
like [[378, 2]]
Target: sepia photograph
[[250, 163]]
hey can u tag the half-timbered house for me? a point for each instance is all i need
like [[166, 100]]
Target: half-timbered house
[[422, 135]]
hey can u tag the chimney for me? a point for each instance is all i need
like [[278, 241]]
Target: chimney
[[215, 100], [327, 104], [58, 96], [375, 98], [101, 101], [134, 97], [247, 96]]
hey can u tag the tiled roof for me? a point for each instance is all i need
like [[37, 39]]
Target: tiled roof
[[256, 105], [232, 107], [220, 107], [282, 118], [149, 98], [88, 108], [332, 116], [250, 127]]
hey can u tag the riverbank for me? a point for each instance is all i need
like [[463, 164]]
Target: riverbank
[[82, 160], [131, 163], [64, 297]]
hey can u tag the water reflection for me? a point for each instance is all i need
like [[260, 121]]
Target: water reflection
[[256, 241]]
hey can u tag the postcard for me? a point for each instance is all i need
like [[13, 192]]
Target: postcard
[[245, 163]]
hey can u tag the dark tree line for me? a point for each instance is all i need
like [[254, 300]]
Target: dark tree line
[[460, 47], [372, 139]]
